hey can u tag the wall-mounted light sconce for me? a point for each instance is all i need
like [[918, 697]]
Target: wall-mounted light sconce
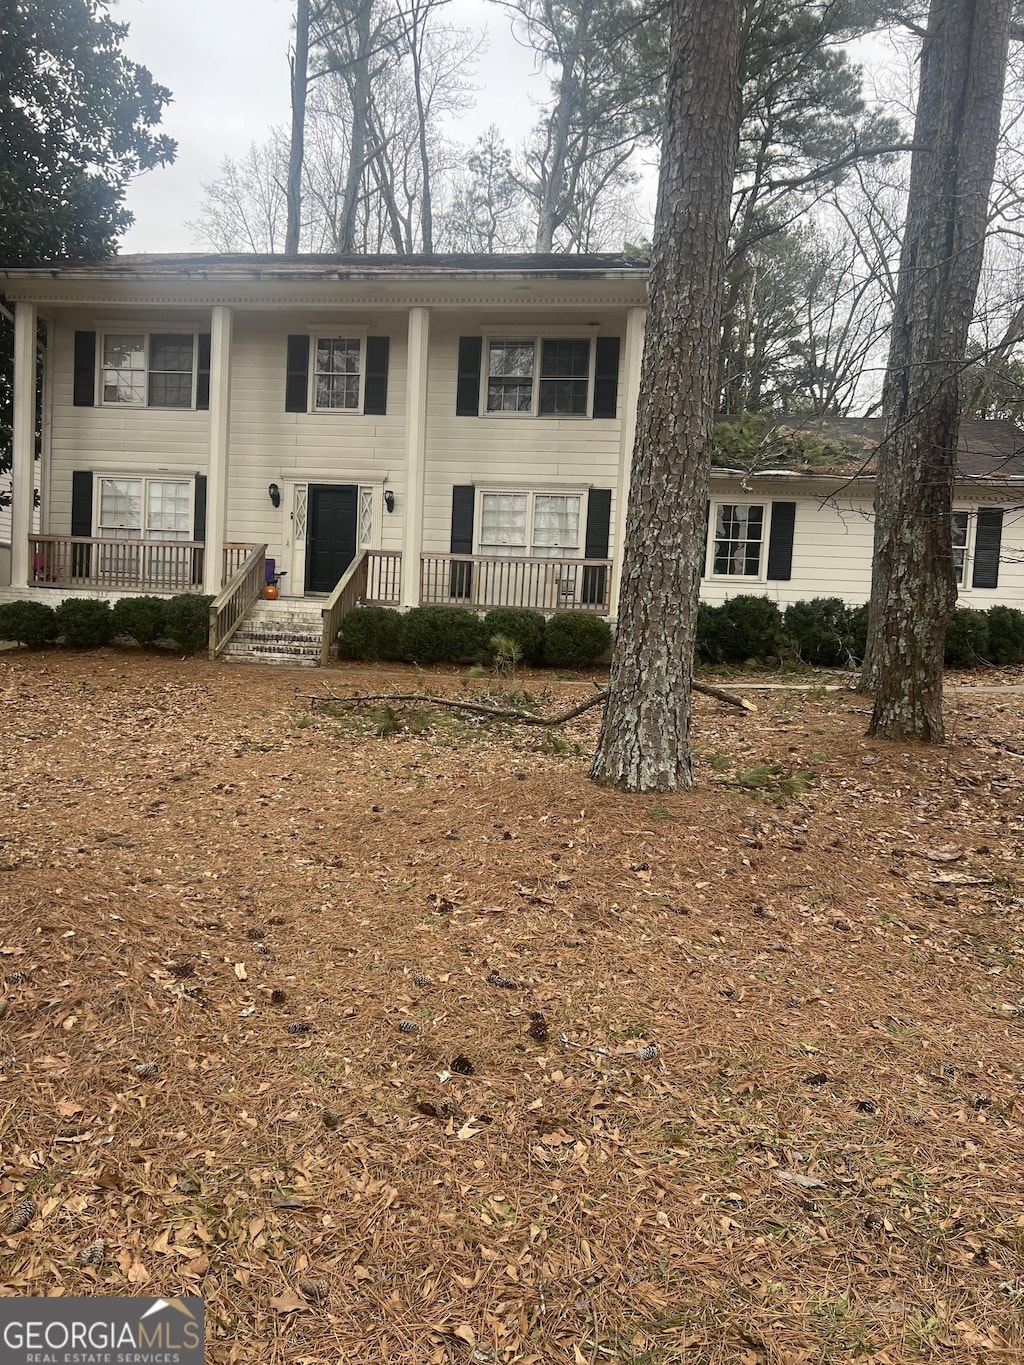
[[389, 500], [275, 494]]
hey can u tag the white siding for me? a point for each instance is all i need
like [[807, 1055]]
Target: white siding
[[833, 542], [529, 452]]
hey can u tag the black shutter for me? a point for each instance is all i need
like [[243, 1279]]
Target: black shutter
[[85, 374], [463, 507], [296, 389], [595, 546], [780, 541], [81, 519], [203, 373], [375, 391], [471, 352], [199, 510], [707, 529], [199, 528], [606, 377], [988, 540]]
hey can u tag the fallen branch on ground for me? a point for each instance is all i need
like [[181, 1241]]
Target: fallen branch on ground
[[500, 713]]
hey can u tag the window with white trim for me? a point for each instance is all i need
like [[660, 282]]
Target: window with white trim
[[961, 536], [338, 374], [738, 539], [149, 369], [545, 376], [538, 525], [144, 509]]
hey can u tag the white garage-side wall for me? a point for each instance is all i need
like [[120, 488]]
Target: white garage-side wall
[[833, 543]]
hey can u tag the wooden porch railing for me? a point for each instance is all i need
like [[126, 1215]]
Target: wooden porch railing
[[229, 608], [235, 555], [173, 566], [374, 576], [484, 581]]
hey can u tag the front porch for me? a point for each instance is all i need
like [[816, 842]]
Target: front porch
[[106, 565]]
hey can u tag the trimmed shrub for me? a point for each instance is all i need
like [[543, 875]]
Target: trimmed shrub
[[84, 623], [434, 635], [819, 631], [748, 627], [859, 632], [576, 640], [1005, 635], [966, 638], [515, 623], [706, 648], [30, 623], [187, 620], [371, 633], [142, 619]]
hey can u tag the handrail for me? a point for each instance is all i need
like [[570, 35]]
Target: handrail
[[349, 590], [235, 600], [482, 582]]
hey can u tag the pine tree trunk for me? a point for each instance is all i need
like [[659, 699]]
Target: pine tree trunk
[[297, 143], [644, 743], [913, 588]]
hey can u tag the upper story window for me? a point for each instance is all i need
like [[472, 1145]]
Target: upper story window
[[549, 376], [149, 369], [738, 539], [337, 378]]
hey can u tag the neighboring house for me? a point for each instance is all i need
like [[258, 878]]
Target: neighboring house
[[446, 429]]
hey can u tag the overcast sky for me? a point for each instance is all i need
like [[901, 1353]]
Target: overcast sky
[[225, 62]]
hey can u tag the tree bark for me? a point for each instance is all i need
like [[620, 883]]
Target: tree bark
[[913, 587], [297, 143], [644, 744]]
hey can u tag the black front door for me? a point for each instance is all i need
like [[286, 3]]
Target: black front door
[[330, 535]]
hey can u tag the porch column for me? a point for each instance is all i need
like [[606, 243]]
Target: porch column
[[217, 467], [415, 455], [23, 451], [634, 353]]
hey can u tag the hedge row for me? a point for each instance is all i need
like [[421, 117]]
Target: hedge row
[[82, 622], [826, 633], [434, 635]]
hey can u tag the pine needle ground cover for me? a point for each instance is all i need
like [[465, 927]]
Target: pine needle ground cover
[[398, 1040]]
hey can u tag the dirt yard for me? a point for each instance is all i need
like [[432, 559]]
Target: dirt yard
[[399, 1041]]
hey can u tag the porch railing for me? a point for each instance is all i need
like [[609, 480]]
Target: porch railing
[[173, 566], [484, 581], [374, 576], [236, 598], [235, 555]]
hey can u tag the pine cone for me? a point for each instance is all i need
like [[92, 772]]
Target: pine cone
[[21, 1217], [17, 978], [93, 1254], [504, 983], [300, 1026], [331, 1118], [317, 1290], [277, 996], [463, 1066], [262, 949], [255, 932], [538, 1029], [446, 1108], [418, 979], [408, 1026], [648, 1053], [146, 1070]]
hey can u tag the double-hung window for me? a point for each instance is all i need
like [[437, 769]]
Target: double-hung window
[[338, 374], [149, 369], [538, 525], [738, 538], [961, 535], [546, 376], [144, 509]]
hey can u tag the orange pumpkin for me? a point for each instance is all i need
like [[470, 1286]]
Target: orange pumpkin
[[271, 593]]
